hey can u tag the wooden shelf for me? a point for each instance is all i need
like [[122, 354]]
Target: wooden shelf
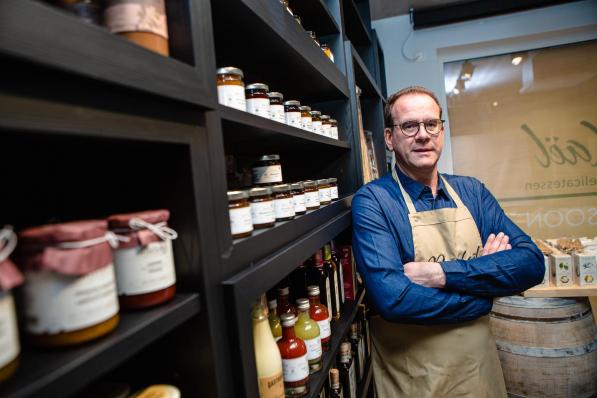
[[571, 291]]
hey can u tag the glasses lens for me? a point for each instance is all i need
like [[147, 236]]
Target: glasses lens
[[432, 126], [410, 127]]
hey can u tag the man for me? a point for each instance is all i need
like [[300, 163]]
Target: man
[[417, 239]]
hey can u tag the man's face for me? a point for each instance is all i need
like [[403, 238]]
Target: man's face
[[421, 152]]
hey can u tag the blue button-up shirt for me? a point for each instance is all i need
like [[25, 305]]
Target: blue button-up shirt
[[383, 242]]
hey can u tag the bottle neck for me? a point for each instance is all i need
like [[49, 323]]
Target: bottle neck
[[288, 332], [345, 358], [303, 313], [283, 300], [314, 300], [327, 253]]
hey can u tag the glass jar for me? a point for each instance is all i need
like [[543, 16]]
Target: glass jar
[[284, 4], [333, 182], [327, 51], [325, 125], [231, 88], [298, 195], [257, 99], [313, 36], [276, 107], [311, 195], [334, 129], [306, 123], [140, 21], [283, 202], [262, 208], [316, 122], [298, 20], [267, 171], [239, 210], [293, 113], [325, 195]]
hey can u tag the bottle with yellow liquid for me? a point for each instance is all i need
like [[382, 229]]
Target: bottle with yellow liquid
[[274, 320], [308, 330]]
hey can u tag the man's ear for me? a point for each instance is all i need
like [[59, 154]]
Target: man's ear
[[387, 134]]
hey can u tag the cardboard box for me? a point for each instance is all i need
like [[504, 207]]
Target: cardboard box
[[562, 269], [585, 266], [547, 273]]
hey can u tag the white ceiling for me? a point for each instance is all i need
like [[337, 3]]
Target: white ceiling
[[390, 8]]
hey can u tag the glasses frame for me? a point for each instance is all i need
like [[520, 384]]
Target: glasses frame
[[442, 121]]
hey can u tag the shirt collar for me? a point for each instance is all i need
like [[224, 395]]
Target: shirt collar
[[415, 189]]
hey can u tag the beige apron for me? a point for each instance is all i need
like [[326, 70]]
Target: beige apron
[[437, 361]]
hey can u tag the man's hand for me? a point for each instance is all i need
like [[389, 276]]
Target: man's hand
[[496, 243], [426, 274]]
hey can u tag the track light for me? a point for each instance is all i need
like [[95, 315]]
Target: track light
[[467, 70], [459, 86]]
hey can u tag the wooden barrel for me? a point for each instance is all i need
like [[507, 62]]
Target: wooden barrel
[[547, 346]]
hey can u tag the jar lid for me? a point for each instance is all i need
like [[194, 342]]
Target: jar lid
[[315, 113], [237, 195], [345, 348], [255, 192], [281, 188], [323, 45], [275, 94], [333, 180], [265, 158], [297, 185], [149, 216], [325, 117], [305, 108], [309, 184], [288, 319], [257, 86], [293, 102], [302, 304], [230, 70], [66, 232], [333, 121], [322, 181], [313, 290]]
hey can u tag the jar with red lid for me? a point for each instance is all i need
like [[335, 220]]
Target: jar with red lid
[[70, 291], [144, 265], [257, 99]]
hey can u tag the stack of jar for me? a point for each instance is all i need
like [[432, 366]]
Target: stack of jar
[[256, 98], [272, 201]]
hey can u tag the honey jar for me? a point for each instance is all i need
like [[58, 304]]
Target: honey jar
[[333, 183], [283, 202], [306, 123], [276, 107], [334, 129], [70, 291], [257, 99], [325, 125], [144, 265], [327, 51], [267, 171], [298, 195], [316, 122], [231, 88], [239, 209], [325, 195], [262, 207], [293, 113], [311, 195]]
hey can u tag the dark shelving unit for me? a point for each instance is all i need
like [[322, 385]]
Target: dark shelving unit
[[356, 28], [316, 16], [362, 76]]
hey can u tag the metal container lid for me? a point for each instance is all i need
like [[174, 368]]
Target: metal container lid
[[309, 184], [297, 185], [288, 319], [305, 108], [255, 192], [316, 113], [257, 86], [344, 347], [265, 158], [333, 180], [313, 290], [325, 117], [333, 121], [293, 102], [323, 181], [237, 195], [230, 70], [302, 304], [275, 94], [281, 188]]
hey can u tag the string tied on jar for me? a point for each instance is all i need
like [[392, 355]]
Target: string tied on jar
[[110, 237], [160, 229], [8, 242]]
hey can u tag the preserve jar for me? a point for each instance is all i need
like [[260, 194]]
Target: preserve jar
[[144, 266], [298, 195], [316, 122], [298, 20], [334, 129], [311, 195], [70, 291], [313, 36], [239, 210], [283, 202], [333, 183], [267, 171], [140, 21], [306, 123], [257, 99], [293, 113], [88, 10], [325, 125], [327, 51], [325, 196], [231, 88], [276, 107], [10, 277], [262, 207]]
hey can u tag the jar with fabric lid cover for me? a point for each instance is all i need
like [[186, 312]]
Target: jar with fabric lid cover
[[325, 125], [306, 122]]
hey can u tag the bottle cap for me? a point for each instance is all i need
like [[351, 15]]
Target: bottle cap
[[344, 348], [302, 304], [288, 319], [334, 377], [313, 290], [272, 303]]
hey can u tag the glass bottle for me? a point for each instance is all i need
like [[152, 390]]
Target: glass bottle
[[294, 359], [284, 304], [275, 323], [336, 260], [320, 277], [362, 317], [332, 270], [326, 125], [347, 373], [336, 388], [267, 356], [308, 330], [319, 313], [299, 282], [356, 343]]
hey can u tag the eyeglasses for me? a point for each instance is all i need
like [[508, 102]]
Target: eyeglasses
[[410, 128]]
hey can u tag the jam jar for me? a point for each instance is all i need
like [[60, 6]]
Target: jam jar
[[267, 171], [316, 122], [298, 194], [333, 183], [70, 292], [231, 88], [306, 123], [325, 125], [334, 129], [10, 277], [239, 209], [276, 107], [311, 195], [257, 99], [144, 265], [298, 20], [293, 113], [283, 202], [325, 196], [262, 208], [327, 51]]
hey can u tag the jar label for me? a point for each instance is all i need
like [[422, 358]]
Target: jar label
[[334, 192], [240, 220], [317, 128], [293, 119], [324, 195], [295, 369], [137, 16], [312, 199], [267, 174], [328, 294], [277, 113], [307, 123], [9, 336], [56, 303], [271, 386], [314, 350], [284, 208], [325, 329], [144, 269], [232, 96], [263, 212], [299, 203], [325, 128], [334, 132], [259, 107]]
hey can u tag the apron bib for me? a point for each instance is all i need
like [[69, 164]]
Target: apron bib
[[437, 361]]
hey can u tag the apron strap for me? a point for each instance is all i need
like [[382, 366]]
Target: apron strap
[[453, 193]]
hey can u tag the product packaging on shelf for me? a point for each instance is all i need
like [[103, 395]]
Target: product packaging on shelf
[[585, 266], [562, 270]]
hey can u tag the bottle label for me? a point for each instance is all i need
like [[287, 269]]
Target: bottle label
[[295, 369], [328, 297], [334, 132], [352, 380], [144, 269], [263, 212], [284, 208], [9, 336], [267, 174], [56, 303], [137, 16], [361, 349], [334, 192], [307, 123], [336, 293], [293, 119], [240, 220], [317, 128], [324, 195], [232, 96], [312, 199], [299, 203], [314, 350], [277, 113], [341, 271], [325, 330], [271, 386], [325, 130], [259, 107]]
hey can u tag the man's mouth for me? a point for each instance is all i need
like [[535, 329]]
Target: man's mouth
[[423, 150]]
